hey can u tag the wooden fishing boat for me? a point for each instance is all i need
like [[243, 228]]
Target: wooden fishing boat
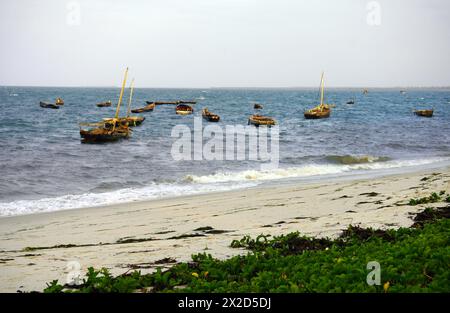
[[59, 101], [320, 111], [104, 104], [147, 108], [259, 120], [257, 106], [184, 109], [109, 129], [209, 116], [424, 113], [351, 102], [47, 105], [104, 132]]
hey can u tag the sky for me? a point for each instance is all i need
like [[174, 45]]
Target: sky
[[225, 43]]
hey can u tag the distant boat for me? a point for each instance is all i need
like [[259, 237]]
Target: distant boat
[[209, 116], [59, 101], [257, 106], [351, 102], [104, 104], [259, 120], [184, 109], [109, 129], [365, 92], [147, 108], [424, 113], [402, 92], [320, 111], [47, 105]]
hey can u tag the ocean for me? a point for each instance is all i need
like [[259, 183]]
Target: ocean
[[44, 166]]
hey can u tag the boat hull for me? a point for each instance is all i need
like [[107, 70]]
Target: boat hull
[[148, 108], [48, 105], [104, 104], [424, 113], [316, 115], [90, 136], [184, 109], [258, 120]]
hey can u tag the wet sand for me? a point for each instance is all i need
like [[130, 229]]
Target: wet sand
[[35, 249]]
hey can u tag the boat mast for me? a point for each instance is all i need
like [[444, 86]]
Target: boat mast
[[121, 94], [321, 90], [131, 96]]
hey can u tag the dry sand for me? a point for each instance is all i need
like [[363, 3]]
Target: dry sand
[[317, 209]]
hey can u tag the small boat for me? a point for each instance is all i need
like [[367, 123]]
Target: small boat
[[147, 108], [110, 129], [365, 92], [402, 92], [104, 132], [104, 104], [259, 120], [211, 117], [424, 113], [257, 106], [351, 102], [320, 111], [59, 101], [47, 105], [184, 109]]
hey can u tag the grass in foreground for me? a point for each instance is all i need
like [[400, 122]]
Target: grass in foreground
[[412, 260]]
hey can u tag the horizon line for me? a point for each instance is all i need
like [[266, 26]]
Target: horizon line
[[236, 87]]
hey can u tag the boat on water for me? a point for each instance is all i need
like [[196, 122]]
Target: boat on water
[[259, 120], [184, 109], [351, 101], [209, 116], [402, 92], [257, 106], [322, 110], [59, 101], [365, 92], [149, 107], [108, 130], [104, 104], [47, 105], [424, 113]]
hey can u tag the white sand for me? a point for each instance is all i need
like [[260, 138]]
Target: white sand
[[320, 209]]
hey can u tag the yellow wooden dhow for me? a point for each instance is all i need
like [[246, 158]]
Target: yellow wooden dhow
[[108, 130], [322, 110]]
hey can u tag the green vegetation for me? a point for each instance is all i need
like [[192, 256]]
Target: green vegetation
[[412, 259], [433, 198]]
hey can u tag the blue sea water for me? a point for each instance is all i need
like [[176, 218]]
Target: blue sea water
[[44, 167]]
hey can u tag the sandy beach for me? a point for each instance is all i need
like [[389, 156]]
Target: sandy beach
[[37, 248]]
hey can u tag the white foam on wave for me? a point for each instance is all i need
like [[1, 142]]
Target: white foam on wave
[[153, 191], [197, 184], [306, 171]]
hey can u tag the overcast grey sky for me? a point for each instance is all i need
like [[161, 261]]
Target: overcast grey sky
[[223, 43]]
